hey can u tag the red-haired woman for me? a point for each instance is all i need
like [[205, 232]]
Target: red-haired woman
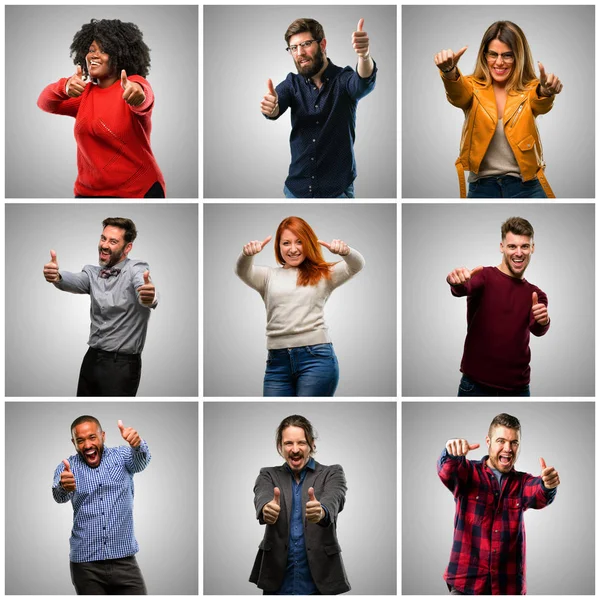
[[301, 360]]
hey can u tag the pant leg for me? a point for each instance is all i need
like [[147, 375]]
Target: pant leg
[[522, 392], [279, 378], [468, 387], [103, 375], [318, 370], [126, 578], [86, 385], [528, 189], [89, 578]]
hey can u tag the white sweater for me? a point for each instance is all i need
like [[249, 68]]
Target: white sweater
[[295, 313]]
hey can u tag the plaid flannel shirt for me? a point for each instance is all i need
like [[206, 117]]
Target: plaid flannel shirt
[[489, 531]]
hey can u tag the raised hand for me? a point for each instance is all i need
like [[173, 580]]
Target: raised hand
[[446, 60], [314, 510], [51, 269], [360, 40], [252, 248], [67, 479], [133, 93], [76, 84], [147, 292], [549, 475], [336, 247], [549, 84], [540, 311], [270, 103], [271, 509], [461, 275], [459, 447], [129, 434]]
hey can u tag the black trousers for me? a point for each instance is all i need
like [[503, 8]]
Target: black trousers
[[156, 191], [108, 577], [109, 374]]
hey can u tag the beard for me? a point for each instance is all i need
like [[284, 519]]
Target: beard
[[314, 66], [114, 257], [99, 450], [518, 274]]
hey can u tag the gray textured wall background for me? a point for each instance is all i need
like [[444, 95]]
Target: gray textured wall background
[[245, 156], [37, 53], [239, 439], [47, 330], [560, 537], [166, 493], [438, 238], [361, 314], [560, 37]]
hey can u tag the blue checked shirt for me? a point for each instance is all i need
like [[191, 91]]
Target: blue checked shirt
[[323, 129], [103, 503]]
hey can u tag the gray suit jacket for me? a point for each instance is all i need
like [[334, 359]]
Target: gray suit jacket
[[322, 548]]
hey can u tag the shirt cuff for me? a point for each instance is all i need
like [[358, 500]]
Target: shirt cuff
[[326, 520]]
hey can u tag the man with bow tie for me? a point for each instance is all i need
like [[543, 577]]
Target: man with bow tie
[[121, 298]]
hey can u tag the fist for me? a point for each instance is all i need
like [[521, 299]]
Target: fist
[[133, 93], [51, 269], [549, 476], [549, 83], [336, 247], [459, 447], [269, 105], [252, 248], [314, 510], [446, 60], [129, 434], [360, 41], [147, 292], [271, 509], [67, 479], [539, 311], [461, 275], [76, 84]]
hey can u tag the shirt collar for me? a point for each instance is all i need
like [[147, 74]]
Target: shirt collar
[[484, 463], [327, 73]]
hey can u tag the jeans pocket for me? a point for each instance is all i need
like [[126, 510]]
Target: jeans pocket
[[466, 385], [321, 350]]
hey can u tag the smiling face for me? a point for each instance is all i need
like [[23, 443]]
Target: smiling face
[[294, 448], [516, 253], [112, 248], [500, 66], [309, 61], [98, 63], [88, 440], [503, 448], [290, 247]]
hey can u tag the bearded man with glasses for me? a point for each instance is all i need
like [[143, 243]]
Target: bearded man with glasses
[[323, 99]]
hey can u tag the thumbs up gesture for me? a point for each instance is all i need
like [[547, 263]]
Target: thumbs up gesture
[[360, 41], [336, 247], [271, 509], [133, 92], [549, 476], [314, 510], [147, 292], [67, 479], [549, 84], [540, 311], [129, 434], [76, 84], [461, 275], [252, 248], [459, 447], [51, 269], [269, 105], [446, 60]]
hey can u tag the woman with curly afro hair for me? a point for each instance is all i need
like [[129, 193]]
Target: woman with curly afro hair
[[112, 104]]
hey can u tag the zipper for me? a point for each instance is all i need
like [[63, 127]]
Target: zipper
[[515, 116]]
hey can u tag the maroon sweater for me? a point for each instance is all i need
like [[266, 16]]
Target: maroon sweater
[[499, 320]]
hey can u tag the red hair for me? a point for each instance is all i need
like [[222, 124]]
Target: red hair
[[313, 267]]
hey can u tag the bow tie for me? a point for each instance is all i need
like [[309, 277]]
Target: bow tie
[[106, 273]]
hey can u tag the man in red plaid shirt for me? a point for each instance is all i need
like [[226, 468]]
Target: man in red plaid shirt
[[488, 551]]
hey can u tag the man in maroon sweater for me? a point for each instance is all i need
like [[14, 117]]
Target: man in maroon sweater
[[503, 308]]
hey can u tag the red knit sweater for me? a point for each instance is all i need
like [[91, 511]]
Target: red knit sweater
[[114, 157], [499, 321]]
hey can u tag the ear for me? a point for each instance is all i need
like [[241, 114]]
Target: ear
[[103, 436], [126, 251], [487, 441], [323, 44], [501, 247], [532, 247]]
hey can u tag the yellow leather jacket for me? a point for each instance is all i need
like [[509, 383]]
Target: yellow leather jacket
[[481, 117]]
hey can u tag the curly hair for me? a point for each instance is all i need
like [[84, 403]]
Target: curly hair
[[123, 42]]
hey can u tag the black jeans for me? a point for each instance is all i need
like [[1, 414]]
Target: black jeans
[[156, 191], [108, 577], [109, 374]]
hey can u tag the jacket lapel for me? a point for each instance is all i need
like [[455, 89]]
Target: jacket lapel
[[285, 488], [487, 101]]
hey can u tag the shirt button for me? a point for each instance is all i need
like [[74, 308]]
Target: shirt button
[[104, 528], [317, 122], [495, 531], [313, 176], [312, 158], [476, 497], [314, 140], [316, 106]]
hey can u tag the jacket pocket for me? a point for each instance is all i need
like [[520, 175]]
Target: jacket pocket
[[527, 144], [332, 550]]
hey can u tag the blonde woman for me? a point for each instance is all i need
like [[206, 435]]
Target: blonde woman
[[500, 145]]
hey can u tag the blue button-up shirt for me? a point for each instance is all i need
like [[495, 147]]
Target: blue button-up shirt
[[103, 503], [323, 129]]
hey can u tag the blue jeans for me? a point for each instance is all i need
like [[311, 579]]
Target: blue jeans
[[347, 193], [302, 371], [506, 187], [468, 387]]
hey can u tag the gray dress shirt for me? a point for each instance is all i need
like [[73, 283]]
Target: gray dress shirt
[[119, 321]]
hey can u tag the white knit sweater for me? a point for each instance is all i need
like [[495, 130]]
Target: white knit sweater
[[295, 313]]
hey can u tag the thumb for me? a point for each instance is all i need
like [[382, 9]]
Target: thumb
[[52, 255], [146, 277], [123, 78], [473, 446], [276, 493], [534, 298], [67, 465], [311, 494], [271, 88], [266, 241], [476, 270], [359, 27], [542, 463], [459, 54], [79, 71], [120, 425]]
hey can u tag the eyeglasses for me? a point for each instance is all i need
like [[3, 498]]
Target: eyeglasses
[[305, 45], [507, 57]]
